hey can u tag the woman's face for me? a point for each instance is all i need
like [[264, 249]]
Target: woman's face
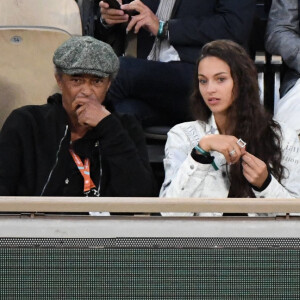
[[216, 84]]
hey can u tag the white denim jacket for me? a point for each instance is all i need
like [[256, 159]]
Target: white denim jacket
[[184, 177]]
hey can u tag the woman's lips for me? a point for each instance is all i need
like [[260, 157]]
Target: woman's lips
[[213, 101]]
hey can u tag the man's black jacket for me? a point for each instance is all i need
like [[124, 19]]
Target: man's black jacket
[[35, 158]]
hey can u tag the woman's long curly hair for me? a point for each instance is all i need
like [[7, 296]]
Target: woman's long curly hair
[[247, 118]]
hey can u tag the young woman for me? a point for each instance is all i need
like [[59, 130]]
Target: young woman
[[234, 148]]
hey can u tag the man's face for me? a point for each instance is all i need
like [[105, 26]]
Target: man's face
[[81, 86]]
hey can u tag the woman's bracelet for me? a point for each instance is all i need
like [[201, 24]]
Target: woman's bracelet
[[206, 154]]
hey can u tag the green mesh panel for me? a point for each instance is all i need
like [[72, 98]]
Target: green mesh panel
[[149, 273]]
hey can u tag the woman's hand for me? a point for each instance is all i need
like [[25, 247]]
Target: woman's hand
[[146, 18], [112, 16], [254, 170], [225, 144]]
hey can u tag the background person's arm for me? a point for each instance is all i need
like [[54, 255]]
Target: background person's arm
[[282, 35], [232, 20]]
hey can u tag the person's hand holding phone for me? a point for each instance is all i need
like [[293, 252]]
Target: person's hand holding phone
[[112, 13], [142, 17]]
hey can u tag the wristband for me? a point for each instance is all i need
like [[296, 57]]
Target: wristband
[[163, 30], [160, 29], [206, 154], [203, 152], [200, 158]]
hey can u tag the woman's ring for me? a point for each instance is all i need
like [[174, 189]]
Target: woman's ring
[[232, 152], [241, 143]]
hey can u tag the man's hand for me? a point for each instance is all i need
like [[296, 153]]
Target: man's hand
[[112, 16], [89, 112], [145, 19], [254, 169]]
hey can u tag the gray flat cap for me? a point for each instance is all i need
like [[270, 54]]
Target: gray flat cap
[[86, 55]]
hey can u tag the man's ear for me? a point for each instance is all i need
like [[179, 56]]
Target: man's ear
[[58, 80]]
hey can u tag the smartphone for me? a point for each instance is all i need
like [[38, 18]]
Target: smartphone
[[113, 4], [116, 5]]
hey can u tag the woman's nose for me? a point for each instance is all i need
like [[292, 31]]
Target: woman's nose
[[211, 87]]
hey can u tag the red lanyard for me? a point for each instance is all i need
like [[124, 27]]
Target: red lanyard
[[84, 170]]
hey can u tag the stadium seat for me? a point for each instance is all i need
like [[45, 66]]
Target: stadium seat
[[63, 14], [30, 31], [27, 72]]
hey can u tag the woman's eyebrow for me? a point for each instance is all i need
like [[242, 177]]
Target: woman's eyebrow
[[223, 72]]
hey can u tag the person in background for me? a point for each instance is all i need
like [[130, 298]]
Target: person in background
[[156, 84], [74, 145], [283, 38], [234, 148]]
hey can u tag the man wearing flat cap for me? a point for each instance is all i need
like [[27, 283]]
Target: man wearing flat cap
[[73, 145]]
